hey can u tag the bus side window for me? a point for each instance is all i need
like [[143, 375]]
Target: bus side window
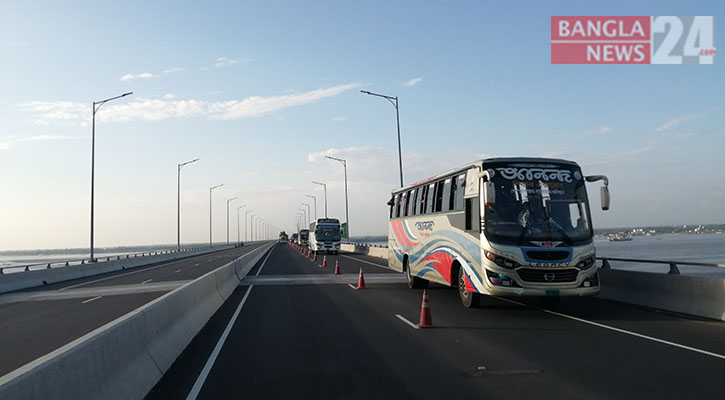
[[392, 206], [446, 195], [398, 200], [413, 195], [438, 196], [421, 199], [429, 201], [406, 197], [460, 190], [452, 197], [468, 214]]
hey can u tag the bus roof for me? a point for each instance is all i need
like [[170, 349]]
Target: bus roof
[[479, 163]]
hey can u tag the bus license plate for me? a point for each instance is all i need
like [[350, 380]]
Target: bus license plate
[[553, 293]]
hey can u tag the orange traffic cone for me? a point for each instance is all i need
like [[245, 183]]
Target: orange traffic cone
[[337, 267], [324, 261], [314, 257], [426, 321], [360, 280]]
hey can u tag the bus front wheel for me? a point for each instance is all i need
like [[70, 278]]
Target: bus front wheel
[[469, 299], [413, 281]]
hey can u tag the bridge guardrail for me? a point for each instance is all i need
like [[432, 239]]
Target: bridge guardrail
[[674, 270]]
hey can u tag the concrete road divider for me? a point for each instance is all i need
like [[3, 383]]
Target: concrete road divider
[[126, 357], [694, 295], [380, 252]]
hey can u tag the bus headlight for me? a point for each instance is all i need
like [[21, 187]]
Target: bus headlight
[[502, 262], [586, 263]]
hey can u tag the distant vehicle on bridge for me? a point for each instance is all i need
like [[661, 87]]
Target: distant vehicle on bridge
[[295, 238], [304, 237], [325, 235], [500, 226], [283, 237]]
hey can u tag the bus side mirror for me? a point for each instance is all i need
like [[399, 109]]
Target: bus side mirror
[[489, 192], [604, 193], [390, 202]]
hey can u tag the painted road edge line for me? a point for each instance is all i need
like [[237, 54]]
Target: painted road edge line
[[402, 318], [639, 335], [201, 379], [352, 286]]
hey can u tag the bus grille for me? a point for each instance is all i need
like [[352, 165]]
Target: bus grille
[[548, 275], [548, 255]]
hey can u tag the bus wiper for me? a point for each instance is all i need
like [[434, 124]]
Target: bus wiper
[[558, 227]]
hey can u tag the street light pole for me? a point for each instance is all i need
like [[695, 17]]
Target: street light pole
[[228, 201], [305, 218], [315, 200], [324, 185], [397, 117], [93, 156], [246, 238], [347, 216], [178, 202], [308, 210], [210, 190], [238, 237]]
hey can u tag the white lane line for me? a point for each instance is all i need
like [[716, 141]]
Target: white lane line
[[196, 265], [402, 318], [196, 389], [639, 335], [146, 281], [366, 262], [351, 285], [177, 271], [90, 300]]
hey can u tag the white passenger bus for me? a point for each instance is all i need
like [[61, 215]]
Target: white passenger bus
[[325, 235], [500, 226]]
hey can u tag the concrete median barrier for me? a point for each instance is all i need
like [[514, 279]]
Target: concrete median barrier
[[693, 295], [380, 252], [126, 357]]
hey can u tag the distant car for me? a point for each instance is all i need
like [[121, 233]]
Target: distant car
[[282, 240]]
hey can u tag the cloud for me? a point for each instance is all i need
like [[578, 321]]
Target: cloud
[[226, 61], [143, 75], [7, 144], [256, 106], [171, 70], [339, 119], [413, 81], [169, 96], [79, 114]]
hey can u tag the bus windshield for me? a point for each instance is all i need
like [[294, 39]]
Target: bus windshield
[[328, 233], [538, 202], [304, 235]]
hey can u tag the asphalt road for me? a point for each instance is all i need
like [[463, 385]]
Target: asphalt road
[[292, 337], [36, 321]]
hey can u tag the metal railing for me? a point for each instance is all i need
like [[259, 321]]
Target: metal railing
[[673, 264], [84, 261]]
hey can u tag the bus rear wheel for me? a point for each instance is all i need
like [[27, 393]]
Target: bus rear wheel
[[469, 299], [413, 281]]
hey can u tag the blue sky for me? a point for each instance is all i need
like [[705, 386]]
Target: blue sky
[[261, 91]]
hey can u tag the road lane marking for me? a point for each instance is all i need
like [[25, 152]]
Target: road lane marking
[[90, 300], [639, 335], [351, 285], [177, 271], [146, 281], [402, 318], [366, 262], [196, 389], [196, 265]]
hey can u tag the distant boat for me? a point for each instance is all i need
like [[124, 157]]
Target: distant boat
[[620, 237]]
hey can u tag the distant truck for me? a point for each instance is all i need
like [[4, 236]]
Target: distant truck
[[304, 237], [283, 237], [295, 238], [325, 235]]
